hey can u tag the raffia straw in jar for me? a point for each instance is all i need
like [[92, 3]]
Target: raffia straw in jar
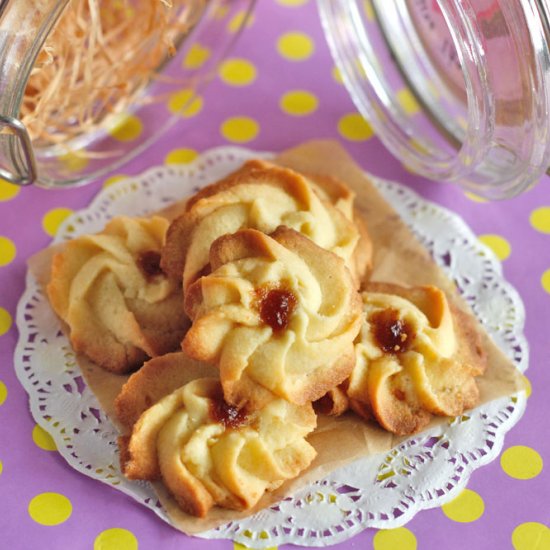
[[97, 60]]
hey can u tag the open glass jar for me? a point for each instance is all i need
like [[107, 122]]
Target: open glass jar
[[457, 90], [60, 107]]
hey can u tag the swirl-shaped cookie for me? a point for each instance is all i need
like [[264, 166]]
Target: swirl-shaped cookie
[[263, 196], [157, 378], [110, 290], [415, 357], [277, 315], [210, 453]]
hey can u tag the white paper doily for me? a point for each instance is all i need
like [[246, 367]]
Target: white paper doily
[[384, 491]]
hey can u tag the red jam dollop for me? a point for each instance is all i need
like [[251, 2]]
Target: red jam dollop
[[149, 263], [228, 415], [276, 306], [392, 334]]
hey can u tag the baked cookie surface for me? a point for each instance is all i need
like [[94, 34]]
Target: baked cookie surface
[[262, 196], [210, 453], [277, 315], [416, 357], [111, 291], [157, 378]]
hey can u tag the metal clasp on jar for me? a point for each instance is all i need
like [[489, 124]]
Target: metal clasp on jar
[[14, 138]]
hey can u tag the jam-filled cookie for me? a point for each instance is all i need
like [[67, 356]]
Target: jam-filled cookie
[[416, 357], [277, 315], [209, 453], [110, 289], [157, 378], [262, 196]]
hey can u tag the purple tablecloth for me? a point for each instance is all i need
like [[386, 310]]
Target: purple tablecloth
[[280, 89]]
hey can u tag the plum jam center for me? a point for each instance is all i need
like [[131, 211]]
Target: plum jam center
[[228, 415], [276, 307], [392, 334], [149, 263]]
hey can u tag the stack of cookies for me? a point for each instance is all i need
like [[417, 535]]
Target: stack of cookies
[[263, 285]]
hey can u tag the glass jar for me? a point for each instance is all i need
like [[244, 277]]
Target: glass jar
[[457, 90], [197, 37]]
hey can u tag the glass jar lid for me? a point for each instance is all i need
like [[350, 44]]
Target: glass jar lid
[[458, 91]]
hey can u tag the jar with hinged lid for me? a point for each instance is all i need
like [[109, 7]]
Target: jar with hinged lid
[[75, 73]]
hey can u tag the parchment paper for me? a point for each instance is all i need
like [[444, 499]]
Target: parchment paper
[[398, 258]]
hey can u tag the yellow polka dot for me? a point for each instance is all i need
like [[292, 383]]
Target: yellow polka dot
[[540, 219], [8, 190], [185, 103], [238, 72], [292, 3], [369, 11], [499, 245], [240, 129], [126, 127], [75, 161], [220, 12], [354, 127], [419, 146], [43, 439], [295, 46], [238, 20], [299, 103], [408, 102], [54, 218], [337, 75], [7, 251], [181, 156], [113, 179], [3, 392], [238, 546], [435, 92], [467, 507], [527, 385], [116, 539], [5, 321], [196, 57], [50, 508], [119, 8], [1, 467], [521, 462], [475, 198], [390, 539], [545, 280], [531, 536]]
